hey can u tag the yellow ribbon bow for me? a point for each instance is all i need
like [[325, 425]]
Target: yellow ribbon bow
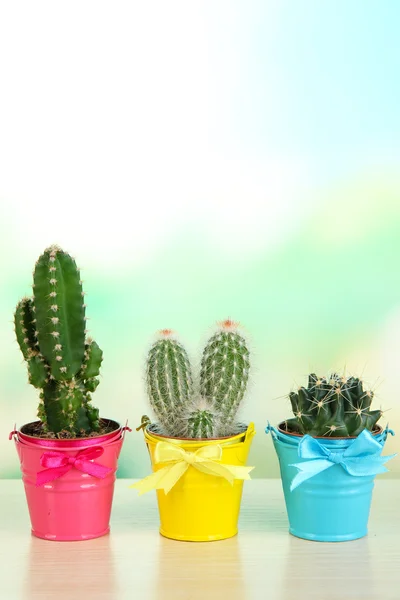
[[204, 459]]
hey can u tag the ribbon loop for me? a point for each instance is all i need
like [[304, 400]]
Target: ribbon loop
[[360, 459], [205, 459], [58, 464]]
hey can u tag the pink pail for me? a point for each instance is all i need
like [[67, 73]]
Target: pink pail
[[69, 484]]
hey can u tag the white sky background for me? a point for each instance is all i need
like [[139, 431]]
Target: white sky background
[[117, 128], [123, 122]]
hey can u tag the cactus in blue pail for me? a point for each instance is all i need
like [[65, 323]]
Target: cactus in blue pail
[[51, 332], [329, 454], [335, 406], [209, 409]]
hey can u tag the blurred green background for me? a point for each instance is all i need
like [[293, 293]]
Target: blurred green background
[[202, 161]]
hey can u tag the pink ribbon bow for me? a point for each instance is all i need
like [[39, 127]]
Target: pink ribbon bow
[[58, 464]]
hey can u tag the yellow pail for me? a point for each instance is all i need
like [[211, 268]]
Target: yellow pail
[[202, 507]]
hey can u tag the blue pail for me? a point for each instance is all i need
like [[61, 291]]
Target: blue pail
[[329, 505]]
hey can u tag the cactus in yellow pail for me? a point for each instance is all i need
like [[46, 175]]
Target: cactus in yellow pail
[[197, 447]]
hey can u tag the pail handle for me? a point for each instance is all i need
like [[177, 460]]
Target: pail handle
[[125, 429], [250, 433], [386, 433], [13, 433], [272, 430], [145, 420]]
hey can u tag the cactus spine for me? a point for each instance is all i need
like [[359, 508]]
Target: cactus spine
[[50, 330], [337, 406], [181, 410]]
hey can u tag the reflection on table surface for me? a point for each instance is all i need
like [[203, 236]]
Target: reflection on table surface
[[262, 562], [74, 569]]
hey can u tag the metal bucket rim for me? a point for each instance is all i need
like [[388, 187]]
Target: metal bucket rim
[[71, 443], [231, 440], [377, 431]]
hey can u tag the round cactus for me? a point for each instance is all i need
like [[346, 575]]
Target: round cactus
[[200, 424], [337, 406]]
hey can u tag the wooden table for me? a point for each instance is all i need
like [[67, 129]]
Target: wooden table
[[263, 561]]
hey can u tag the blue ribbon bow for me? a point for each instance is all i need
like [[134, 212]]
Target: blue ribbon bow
[[360, 459]]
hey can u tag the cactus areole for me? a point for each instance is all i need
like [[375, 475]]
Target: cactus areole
[[209, 409], [336, 406], [62, 362]]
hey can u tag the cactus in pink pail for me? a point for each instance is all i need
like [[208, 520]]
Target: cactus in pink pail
[[62, 363], [209, 409]]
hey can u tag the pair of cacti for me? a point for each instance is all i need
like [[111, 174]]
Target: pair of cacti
[[64, 365], [211, 410]]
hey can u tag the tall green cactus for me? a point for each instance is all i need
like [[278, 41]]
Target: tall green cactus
[[225, 371], [337, 406], [50, 330], [181, 410], [59, 313], [169, 379]]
